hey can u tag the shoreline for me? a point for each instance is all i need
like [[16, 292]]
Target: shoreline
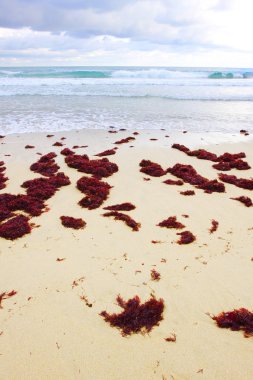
[[49, 331]]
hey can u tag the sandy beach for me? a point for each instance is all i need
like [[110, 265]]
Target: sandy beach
[[64, 278]]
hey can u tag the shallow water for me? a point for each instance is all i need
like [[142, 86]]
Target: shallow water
[[54, 99]]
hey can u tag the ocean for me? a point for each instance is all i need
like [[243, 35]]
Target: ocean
[[36, 99]]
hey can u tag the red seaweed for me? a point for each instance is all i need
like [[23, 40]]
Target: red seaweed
[[58, 144], [225, 162], [121, 207], [66, 152], [126, 140], [238, 319], [187, 192], [171, 222], [235, 164], [98, 168], [186, 237], [15, 228], [151, 168], [155, 276], [188, 174], [243, 183], [173, 182], [180, 147], [136, 317], [3, 179], [46, 165], [245, 200], [172, 338], [96, 192], [214, 226], [5, 296], [108, 152], [70, 222], [125, 218]]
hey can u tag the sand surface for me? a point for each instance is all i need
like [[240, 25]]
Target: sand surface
[[49, 332]]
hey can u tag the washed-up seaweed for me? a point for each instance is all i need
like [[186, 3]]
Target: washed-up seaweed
[[225, 162], [186, 237], [3, 178], [171, 222], [152, 168], [245, 200], [155, 276], [173, 182], [214, 226], [15, 227], [187, 192], [58, 144], [238, 319], [125, 218], [243, 183], [46, 165], [189, 175], [70, 222], [121, 207], [108, 152], [124, 141], [136, 317], [6, 295], [67, 152], [97, 168], [96, 192]]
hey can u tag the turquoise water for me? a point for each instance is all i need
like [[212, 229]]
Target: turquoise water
[[124, 72], [64, 98]]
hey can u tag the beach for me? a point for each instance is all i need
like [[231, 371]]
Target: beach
[[64, 278]]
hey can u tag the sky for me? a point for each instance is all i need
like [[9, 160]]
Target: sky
[[200, 33]]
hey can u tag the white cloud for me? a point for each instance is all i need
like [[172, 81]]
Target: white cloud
[[161, 32]]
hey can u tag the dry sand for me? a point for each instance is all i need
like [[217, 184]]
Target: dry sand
[[48, 332]]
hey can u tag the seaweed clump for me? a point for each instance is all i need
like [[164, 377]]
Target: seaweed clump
[[238, 319], [171, 222], [15, 227], [125, 218], [214, 226], [46, 165], [124, 141], [66, 152], [108, 152], [173, 182], [152, 168], [96, 192], [3, 179], [136, 317], [70, 222], [58, 144], [155, 276], [245, 200], [243, 183], [33, 203], [186, 237], [188, 174], [121, 207], [225, 162], [5, 296], [187, 192], [97, 168]]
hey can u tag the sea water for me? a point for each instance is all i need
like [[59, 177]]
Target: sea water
[[65, 98]]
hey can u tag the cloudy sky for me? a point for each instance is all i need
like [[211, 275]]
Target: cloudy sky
[[126, 32]]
